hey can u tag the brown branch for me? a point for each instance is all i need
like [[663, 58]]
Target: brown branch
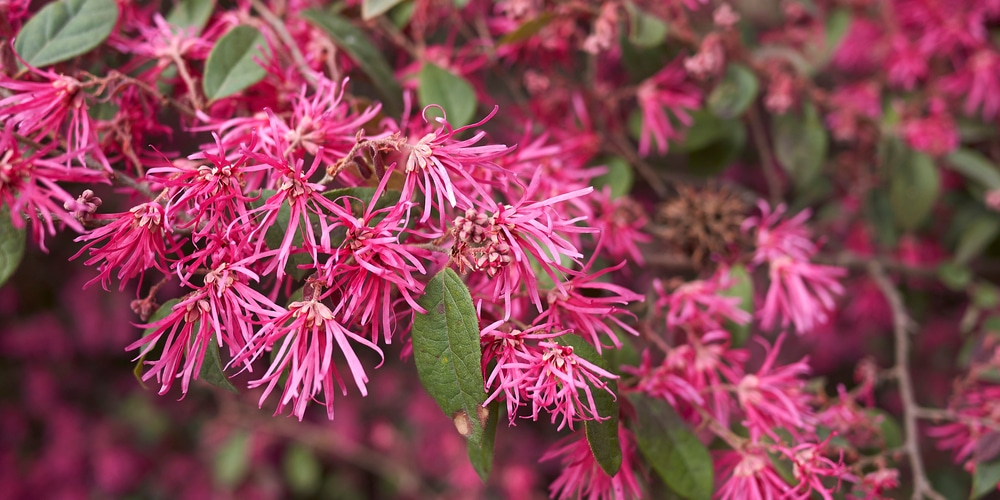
[[901, 330], [767, 161]]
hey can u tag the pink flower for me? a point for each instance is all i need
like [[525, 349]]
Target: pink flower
[[589, 307], [810, 467], [55, 106], [979, 82], [905, 65], [434, 163], [749, 473], [776, 237], [28, 187], [308, 334], [773, 397], [666, 90], [800, 293], [187, 328], [851, 106], [134, 241], [935, 134], [582, 477], [699, 305], [622, 220]]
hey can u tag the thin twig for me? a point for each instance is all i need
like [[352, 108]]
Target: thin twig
[[901, 329], [286, 38]]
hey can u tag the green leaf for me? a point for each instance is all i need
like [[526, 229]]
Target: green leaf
[[452, 92], [914, 185], [985, 295], [742, 288], [985, 479], [892, 432], [364, 53], [954, 276], [527, 29], [645, 29], [211, 368], [734, 94], [402, 13], [619, 176], [837, 24], [371, 9], [65, 29], [976, 236], [602, 436], [232, 460], [447, 353], [675, 453], [975, 167], [191, 14], [302, 470], [12, 242], [712, 159], [800, 144], [231, 67], [481, 455]]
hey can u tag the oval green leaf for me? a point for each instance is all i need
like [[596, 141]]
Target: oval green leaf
[[975, 167], [211, 368], [800, 144], [734, 94], [371, 9], [12, 242], [191, 14], [619, 177], [231, 67], [481, 454], [976, 236], [914, 186], [645, 29], [364, 53], [450, 91], [447, 352], [302, 470], [675, 453], [602, 436], [232, 460], [742, 287], [65, 29]]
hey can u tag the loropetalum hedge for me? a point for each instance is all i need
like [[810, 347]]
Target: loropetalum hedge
[[611, 217]]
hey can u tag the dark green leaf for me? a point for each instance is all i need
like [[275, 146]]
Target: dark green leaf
[[211, 368], [371, 9], [232, 460], [954, 276], [65, 29], [619, 176], [716, 156], [742, 288], [800, 144], [734, 94], [452, 92], [302, 470], [191, 14], [602, 436], [974, 167], [985, 295], [892, 432], [447, 352], [675, 453], [645, 29], [481, 455], [231, 66], [527, 29], [985, 479], [837, 24], [976, 236], [705, 129], [12, 242], [364, 53], [914, 185], [402, 14]]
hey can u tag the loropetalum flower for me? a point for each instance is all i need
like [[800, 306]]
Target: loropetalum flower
[[667, 90], [699, 304], [544, 374], [749, 473], [800, 292], [29, 186], [582, 477], [304, 338], [134, 241]]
